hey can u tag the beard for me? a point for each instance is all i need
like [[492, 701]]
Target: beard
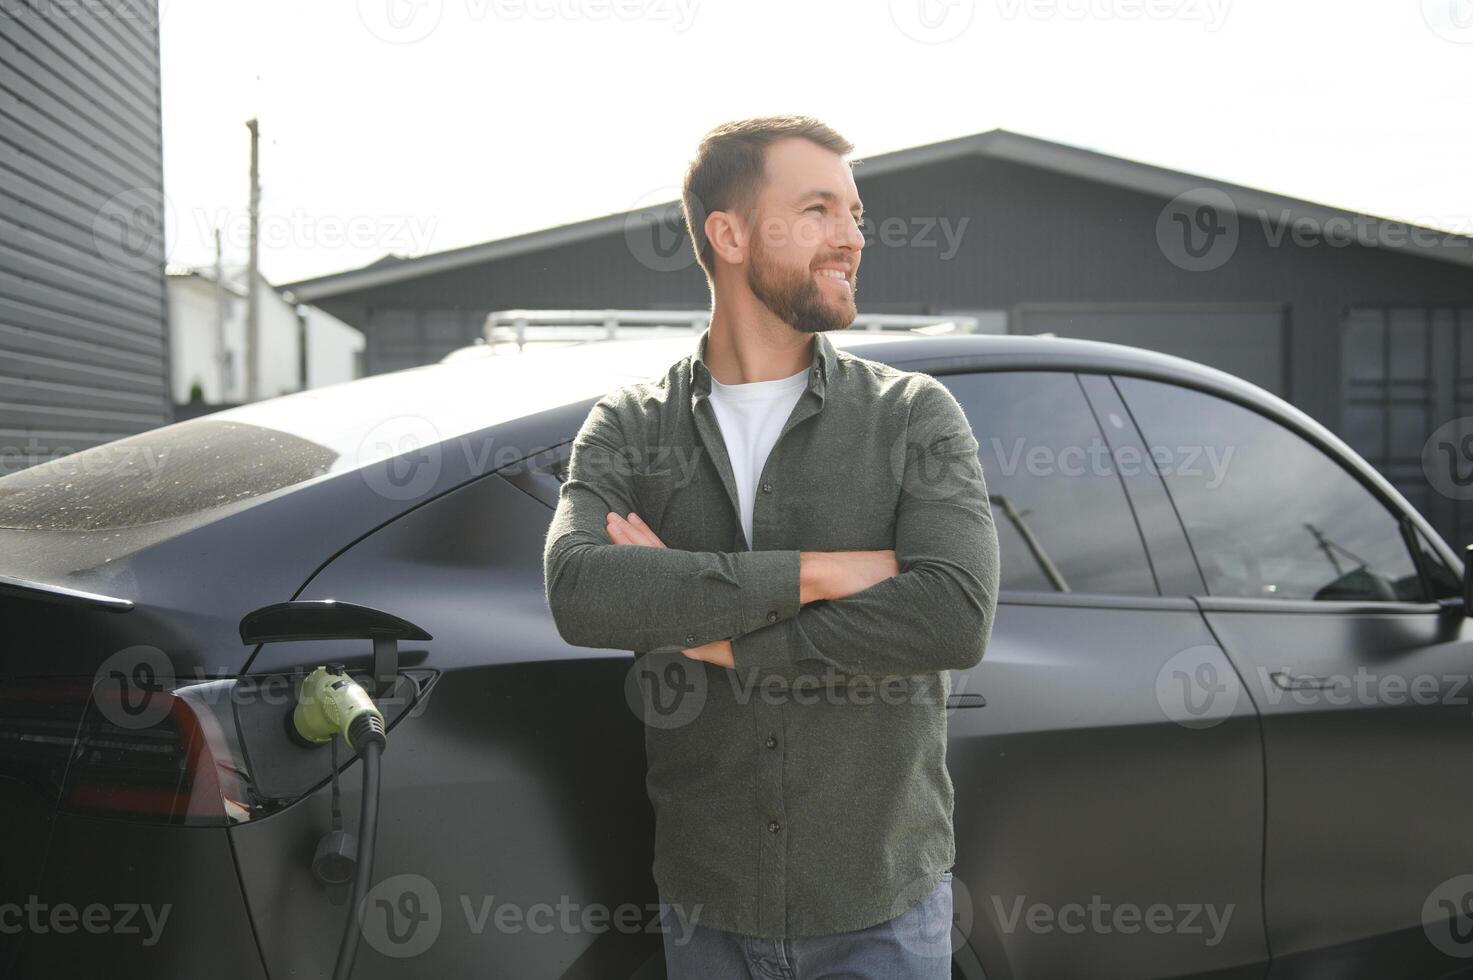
[[794, 297]]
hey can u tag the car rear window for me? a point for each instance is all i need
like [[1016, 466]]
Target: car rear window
[[159, 475]]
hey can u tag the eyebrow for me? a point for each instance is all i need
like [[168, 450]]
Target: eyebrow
[[830, 196]]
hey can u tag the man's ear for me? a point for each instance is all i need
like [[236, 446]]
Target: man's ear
[[727, 236]]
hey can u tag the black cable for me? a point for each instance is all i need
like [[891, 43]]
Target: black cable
[[370, 736], [337, 803]]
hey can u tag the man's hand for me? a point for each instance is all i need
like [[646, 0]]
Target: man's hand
[[716, 652], [632, 531], [635, 531], [840, 574], [823, 575]]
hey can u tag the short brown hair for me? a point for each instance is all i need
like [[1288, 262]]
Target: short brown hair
[[729, 170]]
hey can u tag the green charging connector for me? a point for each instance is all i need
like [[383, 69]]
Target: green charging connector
[[332, 703]]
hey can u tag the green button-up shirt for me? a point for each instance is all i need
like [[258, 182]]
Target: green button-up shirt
[[805, 792]]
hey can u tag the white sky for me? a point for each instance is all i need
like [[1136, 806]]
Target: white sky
[[509, 116]]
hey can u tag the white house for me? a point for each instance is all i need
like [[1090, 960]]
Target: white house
[[207, 328]]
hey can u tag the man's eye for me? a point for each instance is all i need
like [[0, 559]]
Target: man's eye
[[816, 207]]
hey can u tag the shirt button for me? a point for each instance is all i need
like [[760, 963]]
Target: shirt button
[[773, 826], [772, 615], [772, 741], [690, 638], [767, 488]]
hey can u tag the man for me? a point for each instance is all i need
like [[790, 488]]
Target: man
[[798, 545]]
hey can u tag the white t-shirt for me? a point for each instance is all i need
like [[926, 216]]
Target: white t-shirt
[[751, 417]]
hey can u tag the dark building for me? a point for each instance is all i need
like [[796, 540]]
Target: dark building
[[83, 352], [1363, 322]]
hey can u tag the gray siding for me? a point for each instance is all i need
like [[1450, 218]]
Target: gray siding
[[83, 351]]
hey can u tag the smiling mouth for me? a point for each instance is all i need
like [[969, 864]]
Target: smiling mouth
[[838, 281]]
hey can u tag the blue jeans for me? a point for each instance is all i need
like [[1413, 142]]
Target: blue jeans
[[915, 945]]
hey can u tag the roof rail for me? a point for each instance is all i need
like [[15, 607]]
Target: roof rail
[[563, 327]]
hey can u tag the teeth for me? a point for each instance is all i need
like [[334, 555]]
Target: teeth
[[832, 273]]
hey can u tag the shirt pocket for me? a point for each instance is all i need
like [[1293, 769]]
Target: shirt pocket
[[670, 502]]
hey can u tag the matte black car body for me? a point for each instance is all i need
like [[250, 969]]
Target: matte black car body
[[514, 772]]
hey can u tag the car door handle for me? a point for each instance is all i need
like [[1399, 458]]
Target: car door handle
[[966, 701], [1301, 682]]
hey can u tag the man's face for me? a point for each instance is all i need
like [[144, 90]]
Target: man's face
[[807, 230]]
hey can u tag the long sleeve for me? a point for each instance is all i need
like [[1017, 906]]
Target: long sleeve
[[937, 613], [627, 597]]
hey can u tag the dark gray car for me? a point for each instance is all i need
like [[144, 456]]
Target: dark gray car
[[1218, 730]]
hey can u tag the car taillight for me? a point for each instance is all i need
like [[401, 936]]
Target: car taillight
[[169, 756], [38, 726], [142, 747]]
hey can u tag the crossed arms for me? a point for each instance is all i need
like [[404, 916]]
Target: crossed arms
[[785, 609]]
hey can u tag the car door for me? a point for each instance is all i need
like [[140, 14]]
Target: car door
[[1107, 821], [1323, 592]]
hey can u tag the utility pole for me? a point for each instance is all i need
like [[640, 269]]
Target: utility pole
[[253, 303], [222, 310]]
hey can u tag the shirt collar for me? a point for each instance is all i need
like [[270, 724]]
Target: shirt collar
[[824, 356]]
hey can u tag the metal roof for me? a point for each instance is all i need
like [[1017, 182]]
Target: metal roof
[[997, 144]]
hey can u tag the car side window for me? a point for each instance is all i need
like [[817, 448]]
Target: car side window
[[1062, 518], [1268, 514]]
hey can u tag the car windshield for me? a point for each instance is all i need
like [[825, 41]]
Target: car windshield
[[244, 453]]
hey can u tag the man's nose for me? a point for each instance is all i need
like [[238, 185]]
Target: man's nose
[[850, 235]]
